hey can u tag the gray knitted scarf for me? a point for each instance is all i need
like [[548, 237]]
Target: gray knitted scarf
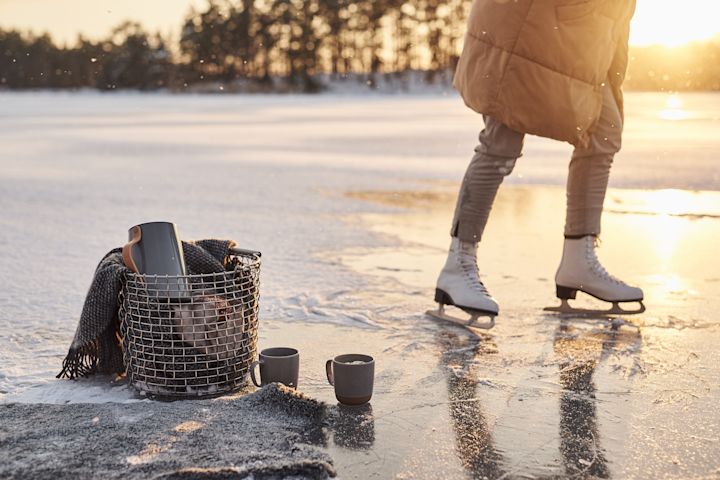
[[96, 347]]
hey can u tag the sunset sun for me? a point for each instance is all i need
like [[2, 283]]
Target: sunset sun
[[665, 22]]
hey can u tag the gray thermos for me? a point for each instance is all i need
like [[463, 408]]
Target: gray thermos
[[155, 250]]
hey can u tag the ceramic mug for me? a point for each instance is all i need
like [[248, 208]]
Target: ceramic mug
[[277, 365], [353, 377]]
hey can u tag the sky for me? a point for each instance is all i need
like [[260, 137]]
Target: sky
[[667, 22]]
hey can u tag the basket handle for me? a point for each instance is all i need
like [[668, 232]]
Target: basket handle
[[242, 251], [127, 249]]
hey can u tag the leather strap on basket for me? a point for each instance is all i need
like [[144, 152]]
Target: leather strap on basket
[[127, 249]]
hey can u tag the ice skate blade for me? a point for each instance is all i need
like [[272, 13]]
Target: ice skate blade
[[566, 309], [470, 324]]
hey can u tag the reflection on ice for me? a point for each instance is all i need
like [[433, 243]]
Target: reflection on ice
[[667, 285], [354, 427], [580, 442], [579, 353], [473, 433], [672, 202], [674, 109]]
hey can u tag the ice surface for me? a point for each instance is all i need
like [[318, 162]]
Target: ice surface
[[541, 396], [77, 169]]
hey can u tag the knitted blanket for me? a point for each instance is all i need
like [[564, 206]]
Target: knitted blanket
[[96, 347]]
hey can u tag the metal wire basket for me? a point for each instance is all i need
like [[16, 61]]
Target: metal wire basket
[[198, 337]]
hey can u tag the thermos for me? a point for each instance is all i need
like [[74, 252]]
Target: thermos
[[155, 250]]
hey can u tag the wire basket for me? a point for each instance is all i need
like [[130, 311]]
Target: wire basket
[[192, 335]]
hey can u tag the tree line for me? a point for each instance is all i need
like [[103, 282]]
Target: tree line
[[128, 58], [295, 45]]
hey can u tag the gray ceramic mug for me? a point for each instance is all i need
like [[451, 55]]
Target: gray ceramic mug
[[352, 376], [155, 250], [277, 365]]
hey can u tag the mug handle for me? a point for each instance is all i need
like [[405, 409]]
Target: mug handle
[[127, 249], [329, 372], [252, 373]]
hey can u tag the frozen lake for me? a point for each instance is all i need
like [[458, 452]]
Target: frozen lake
[[77, 169], [671, 141], [273, 172]]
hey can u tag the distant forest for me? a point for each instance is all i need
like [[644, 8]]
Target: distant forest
[[298, 45]]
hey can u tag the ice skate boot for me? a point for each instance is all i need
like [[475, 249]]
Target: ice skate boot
[[459, 285], [580, 270]]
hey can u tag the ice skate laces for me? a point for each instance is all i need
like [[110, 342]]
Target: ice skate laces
[[467, 258], [591, 243]]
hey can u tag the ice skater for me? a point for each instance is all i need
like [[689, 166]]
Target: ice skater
[[552, 68]]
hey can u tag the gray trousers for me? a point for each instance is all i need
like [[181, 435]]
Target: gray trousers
[[587, 180]]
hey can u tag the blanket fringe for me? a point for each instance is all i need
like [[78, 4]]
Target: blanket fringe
[[79, 362]]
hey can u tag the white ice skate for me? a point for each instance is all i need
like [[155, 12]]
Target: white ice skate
[[580, 270], [459, 285]]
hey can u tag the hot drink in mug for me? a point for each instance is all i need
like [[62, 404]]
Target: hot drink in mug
[[353, 377]]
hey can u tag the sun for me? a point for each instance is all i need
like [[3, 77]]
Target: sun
[[672, 23]]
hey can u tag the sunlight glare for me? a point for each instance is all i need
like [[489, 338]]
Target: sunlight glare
[[666, 238], [671, 23], [674, 109], [663, 286], [668, 202], [674, 101]]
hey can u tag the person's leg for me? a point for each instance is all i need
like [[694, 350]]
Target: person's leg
[[590, 170], [459, 281], [588, 176], [494, 159]]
